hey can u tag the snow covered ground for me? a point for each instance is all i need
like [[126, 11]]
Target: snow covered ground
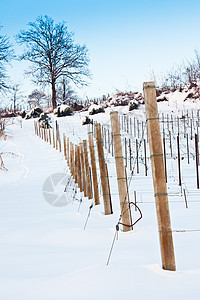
[[44, 251]]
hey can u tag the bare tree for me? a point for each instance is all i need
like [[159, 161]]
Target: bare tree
[[17, 96], [6, 54], [51, 50], [36, 98], [65, 94]]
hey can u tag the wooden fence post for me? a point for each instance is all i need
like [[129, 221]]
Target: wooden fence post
[[87, 169], [94, 170], [72, 159], [36, 124], [79, 169], [53, 138], [49, 135], [68, 155], [158, 171], [103, 171], [64, 146], [42, 132], [59, 141], [56, 135], [39, 129], [121, 175], [83, 170], [76, 165]]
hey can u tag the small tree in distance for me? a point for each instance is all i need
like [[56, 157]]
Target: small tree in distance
[[51, 50], [36, 98], [65, 94]]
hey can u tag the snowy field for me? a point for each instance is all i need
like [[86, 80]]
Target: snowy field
[[46, 255]]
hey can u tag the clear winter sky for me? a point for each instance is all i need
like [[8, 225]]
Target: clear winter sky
[[127, 39]]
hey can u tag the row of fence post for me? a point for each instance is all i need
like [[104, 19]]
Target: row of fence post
[[78, 162], [84, 170]]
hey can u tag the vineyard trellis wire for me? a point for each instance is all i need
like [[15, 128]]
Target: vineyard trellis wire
[[172, 126]]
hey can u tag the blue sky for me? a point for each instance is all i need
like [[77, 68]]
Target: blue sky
[[127, 40]]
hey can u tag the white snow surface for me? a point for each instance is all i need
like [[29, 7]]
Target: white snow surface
[[62, 108], [93, 107], [46, 255]]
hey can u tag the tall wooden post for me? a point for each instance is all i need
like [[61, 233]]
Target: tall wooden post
[[53, 139], [103, 171], [44, 129], [158, 171], [49, 135], [68, 155], [76, 166], [36, 127], [72, 159], [79, 169], [88, 178], [39, 129], [121, 175], [42, 132], [59, 141], [94, 170], [47, 138], [56, 135], [64, 145], [83, 170]]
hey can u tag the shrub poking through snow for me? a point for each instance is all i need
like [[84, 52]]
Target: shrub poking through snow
[[86, 120], [63, 110], [45, 120], [95, 109], [23, 113], [161, 98], [9, 114], [133, 104], [123, 99], [34, 113]]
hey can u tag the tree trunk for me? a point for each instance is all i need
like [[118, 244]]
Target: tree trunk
[[64, 92], [53, 86]]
